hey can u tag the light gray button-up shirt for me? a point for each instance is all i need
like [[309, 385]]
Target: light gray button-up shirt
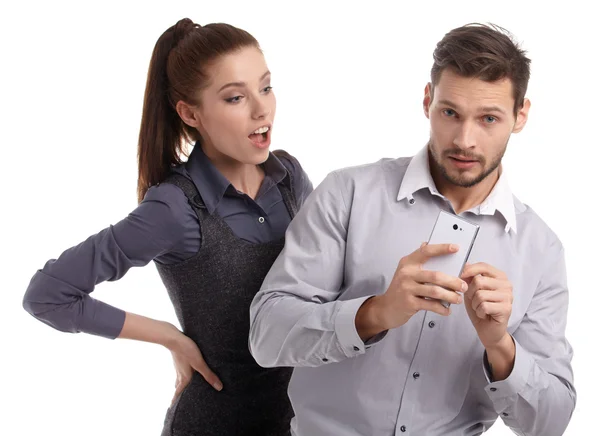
[[427, 377]]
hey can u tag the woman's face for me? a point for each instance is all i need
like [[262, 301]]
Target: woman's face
[[236, 110]]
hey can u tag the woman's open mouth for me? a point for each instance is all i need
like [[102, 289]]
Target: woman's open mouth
[[261, 137]]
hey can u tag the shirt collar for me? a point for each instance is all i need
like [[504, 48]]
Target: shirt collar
[[213, 185], [418, 176]]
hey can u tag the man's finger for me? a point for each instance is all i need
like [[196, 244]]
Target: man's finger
[[488, 308], [479, 283], [428, 251], [482, 296], [433, 306], [441, 279], [439, 293], [471, 270]]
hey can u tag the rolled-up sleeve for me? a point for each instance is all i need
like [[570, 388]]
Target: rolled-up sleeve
[[297, 318], [538, 397], [59, 293]]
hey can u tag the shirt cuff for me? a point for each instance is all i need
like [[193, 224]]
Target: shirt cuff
[[106, 321], [69, 309], [345, 328], [501, 392]]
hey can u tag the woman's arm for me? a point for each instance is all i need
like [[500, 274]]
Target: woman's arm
[[59, 294]]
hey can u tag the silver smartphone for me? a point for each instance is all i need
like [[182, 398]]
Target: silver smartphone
[[451, 229]]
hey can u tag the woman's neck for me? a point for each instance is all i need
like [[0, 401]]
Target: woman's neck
[[246, 178]]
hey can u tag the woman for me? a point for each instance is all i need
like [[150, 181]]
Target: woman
[[213, 225]]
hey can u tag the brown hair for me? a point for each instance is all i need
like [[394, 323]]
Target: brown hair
[[486, 52], [177, 71]]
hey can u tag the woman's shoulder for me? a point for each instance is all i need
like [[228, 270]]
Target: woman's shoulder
[[290, 162], [170, 196], [168, 193], [301, 184]]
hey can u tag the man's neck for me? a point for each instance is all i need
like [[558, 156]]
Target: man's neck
[[466, 198]]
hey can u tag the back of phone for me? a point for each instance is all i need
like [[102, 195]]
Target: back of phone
[[451, 229]]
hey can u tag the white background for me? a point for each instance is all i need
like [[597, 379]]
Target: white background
[[349, 79]]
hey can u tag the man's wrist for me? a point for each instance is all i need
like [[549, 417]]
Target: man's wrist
[[501, 357], [368, 320]]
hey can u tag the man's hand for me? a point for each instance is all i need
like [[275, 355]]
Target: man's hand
[[412, 289]]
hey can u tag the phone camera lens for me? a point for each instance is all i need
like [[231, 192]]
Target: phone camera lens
[[455, 226]]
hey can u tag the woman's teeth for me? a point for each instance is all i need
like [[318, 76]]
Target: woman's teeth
[[261, 130]]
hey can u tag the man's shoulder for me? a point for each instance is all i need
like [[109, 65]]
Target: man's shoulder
[[531, 225], [374, 170]]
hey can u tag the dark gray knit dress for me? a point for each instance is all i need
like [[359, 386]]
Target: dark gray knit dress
[[211, 293]]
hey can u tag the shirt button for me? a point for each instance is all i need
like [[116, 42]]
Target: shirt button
[[504, 414], [411, 201], [493, 389], [325, 359], [416, 375], [403, 428], [431, 324], [261, 220]]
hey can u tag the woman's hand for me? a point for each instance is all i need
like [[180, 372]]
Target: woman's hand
[[187, 358]]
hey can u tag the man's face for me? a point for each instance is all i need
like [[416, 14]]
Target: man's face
[[471, 122]]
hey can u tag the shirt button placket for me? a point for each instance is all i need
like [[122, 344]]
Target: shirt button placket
[[414, 384]]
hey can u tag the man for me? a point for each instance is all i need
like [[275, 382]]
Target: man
[[372, 355]]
